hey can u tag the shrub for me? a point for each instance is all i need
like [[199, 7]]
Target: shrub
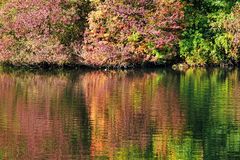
[[232, 25], [205, 40], [123, 33], [33, 31]]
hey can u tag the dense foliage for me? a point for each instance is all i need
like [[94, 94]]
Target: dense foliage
[[124, 32], [232, 26], [34, 31], [119, 33], [205, 39]]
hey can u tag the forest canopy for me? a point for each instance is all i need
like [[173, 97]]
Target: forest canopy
[[119, 33]]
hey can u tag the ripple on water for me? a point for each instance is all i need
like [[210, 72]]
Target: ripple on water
[[144, 114]]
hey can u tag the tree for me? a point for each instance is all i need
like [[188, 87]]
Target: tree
[[205, 40], [33, 31], [123, 32]]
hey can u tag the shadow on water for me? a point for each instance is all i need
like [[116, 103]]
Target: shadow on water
[[141, 114]]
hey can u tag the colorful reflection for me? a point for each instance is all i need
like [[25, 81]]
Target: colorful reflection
[[144, 114], [38, 120], [132, 114]]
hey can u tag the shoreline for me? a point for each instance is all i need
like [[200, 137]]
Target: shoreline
[[74, 66]]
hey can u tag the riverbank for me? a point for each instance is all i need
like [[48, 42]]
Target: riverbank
[[117, 34], [103, 34], [45, 67]]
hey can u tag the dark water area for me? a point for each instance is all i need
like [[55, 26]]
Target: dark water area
[[142, 114]]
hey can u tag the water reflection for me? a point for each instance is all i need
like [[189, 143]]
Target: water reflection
[[144, 114], [42, 118], [212, 108], [130, 110]]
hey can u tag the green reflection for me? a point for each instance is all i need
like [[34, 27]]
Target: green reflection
[[207, 97], [143, 114]]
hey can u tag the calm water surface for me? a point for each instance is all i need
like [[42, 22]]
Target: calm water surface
[[143, 114]]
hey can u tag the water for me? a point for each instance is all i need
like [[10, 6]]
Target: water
[[143, 114]]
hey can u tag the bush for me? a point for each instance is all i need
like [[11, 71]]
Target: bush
[[119, 33], [33, 31], [232, 25], [123, 32], [205, 40]]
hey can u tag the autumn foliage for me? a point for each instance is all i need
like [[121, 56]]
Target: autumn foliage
[[124, 32], [32, 30], [232, 25], [119, 32]]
